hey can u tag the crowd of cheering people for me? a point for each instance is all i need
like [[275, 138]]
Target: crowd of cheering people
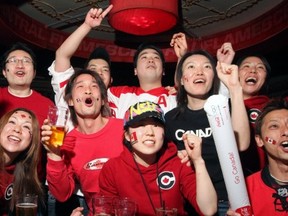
[[130, 136]]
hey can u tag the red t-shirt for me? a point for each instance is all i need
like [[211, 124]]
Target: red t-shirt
[[35, 102], [83, 160]]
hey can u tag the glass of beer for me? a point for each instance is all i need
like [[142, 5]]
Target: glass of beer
[[102, 205], [166, 212], [26, 205], [124, 206], [57, 117]]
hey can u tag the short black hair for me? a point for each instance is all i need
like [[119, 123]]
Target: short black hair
[[18, 46], [144, 46], [99, 53], [273, 104]]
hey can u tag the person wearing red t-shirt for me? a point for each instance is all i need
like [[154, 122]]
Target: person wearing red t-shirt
[[19, 68], [268, 188], [61, 70], [97, 137]]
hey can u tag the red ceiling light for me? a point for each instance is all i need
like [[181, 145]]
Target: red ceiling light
[[143, 17]]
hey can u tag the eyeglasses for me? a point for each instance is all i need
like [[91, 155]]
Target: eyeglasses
[[24, 61]]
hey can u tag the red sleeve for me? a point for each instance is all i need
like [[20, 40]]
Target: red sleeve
[[60, 179], [106, 179], [188, 186]]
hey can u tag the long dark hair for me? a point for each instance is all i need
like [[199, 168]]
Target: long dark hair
[[182, 99], [26, 179], [263, 89]]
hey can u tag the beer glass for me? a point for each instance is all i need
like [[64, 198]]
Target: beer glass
[[26, 205], [102, 205], [57, 117], [124, 206], [166, 212]]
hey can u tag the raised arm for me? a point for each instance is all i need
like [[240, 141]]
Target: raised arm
[[206, 196], [64, 53], [228, 74], [225, 54], [179, 43], [59, 176]]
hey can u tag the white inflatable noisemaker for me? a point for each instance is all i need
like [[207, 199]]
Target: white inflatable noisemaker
[[217, 110]]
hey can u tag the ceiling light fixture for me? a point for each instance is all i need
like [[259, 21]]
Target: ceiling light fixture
[[143, 17]]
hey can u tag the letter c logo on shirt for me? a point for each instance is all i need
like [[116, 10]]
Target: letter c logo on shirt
[[166, 180], [9, 192]]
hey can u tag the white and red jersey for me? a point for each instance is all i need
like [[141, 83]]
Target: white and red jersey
[[120, 98], [58, 82]]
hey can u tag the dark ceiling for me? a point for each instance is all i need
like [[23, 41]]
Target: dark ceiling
[[198, 18]]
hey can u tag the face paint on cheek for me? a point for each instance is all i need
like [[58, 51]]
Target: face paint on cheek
[[133, 138], [185, 78], [270, 140], [78, 100]]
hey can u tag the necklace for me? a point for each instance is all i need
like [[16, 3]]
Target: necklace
[[278, 180], [146, 187]]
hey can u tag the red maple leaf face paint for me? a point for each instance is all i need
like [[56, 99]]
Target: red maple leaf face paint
[[186, 78], [133, 138], [270, 140], [22, 118], [22, 115]]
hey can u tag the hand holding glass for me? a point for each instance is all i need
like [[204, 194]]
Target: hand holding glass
[[57, 117]]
